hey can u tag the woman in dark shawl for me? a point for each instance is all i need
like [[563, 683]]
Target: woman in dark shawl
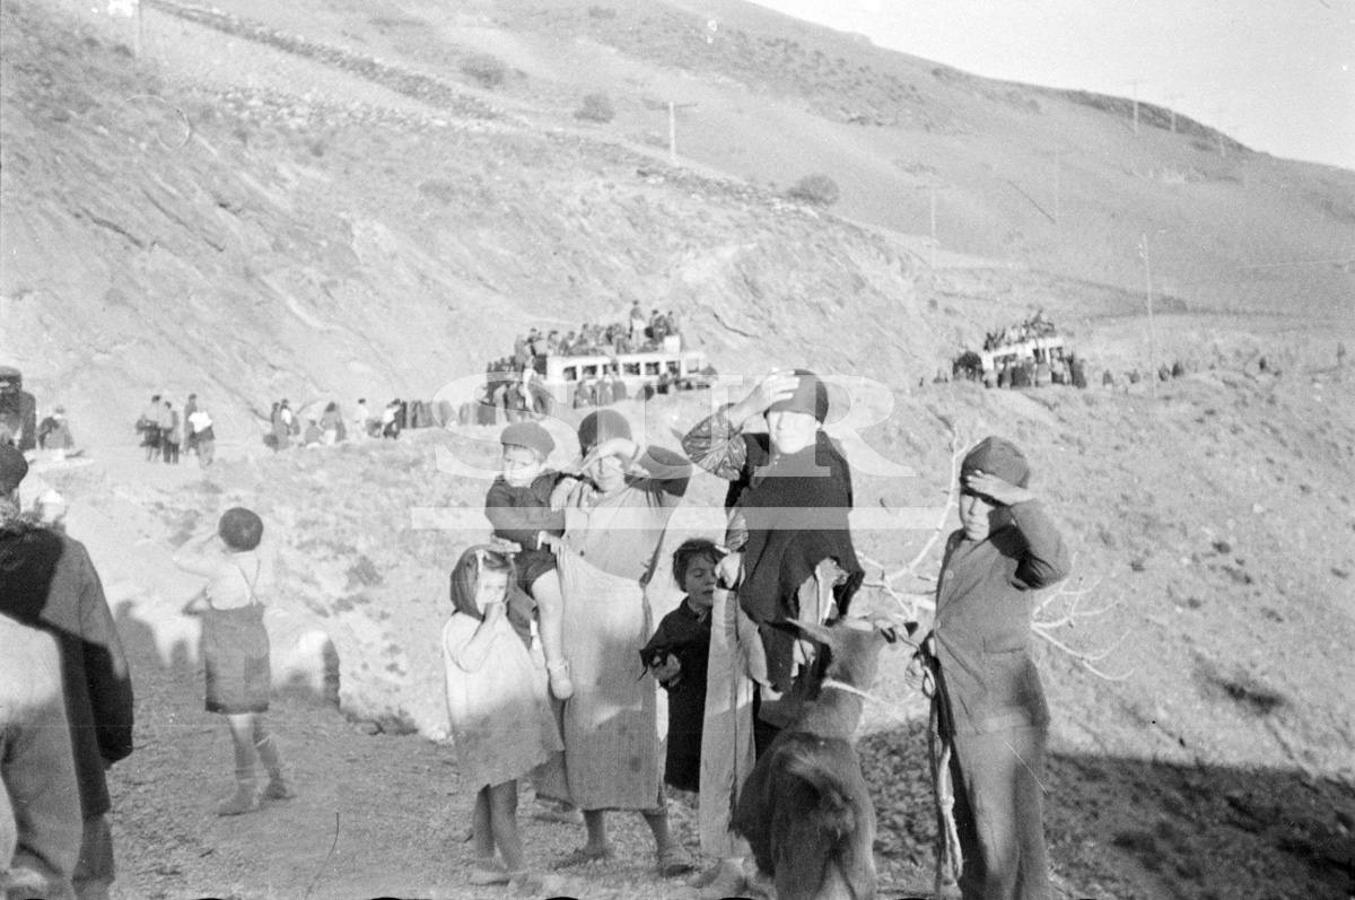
[[789, 497]]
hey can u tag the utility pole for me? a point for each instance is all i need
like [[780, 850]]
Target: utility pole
[[1152, 331], [932, 191], [1058, 169], [1218, 131], [672, 109], [933, 218], [1171, 108]]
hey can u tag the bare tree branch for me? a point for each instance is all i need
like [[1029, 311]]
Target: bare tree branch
[[1045, 623], [957, 451]]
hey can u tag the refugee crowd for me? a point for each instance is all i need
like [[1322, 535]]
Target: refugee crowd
[[547, 630], [638, 334]]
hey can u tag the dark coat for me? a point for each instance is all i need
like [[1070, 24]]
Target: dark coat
[[982, 634], [774, 500], [685, 634], [47, 580]]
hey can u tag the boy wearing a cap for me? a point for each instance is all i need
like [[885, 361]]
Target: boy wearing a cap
[[518, 506], [989, 707]]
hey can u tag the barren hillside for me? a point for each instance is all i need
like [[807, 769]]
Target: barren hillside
[[335, 199]]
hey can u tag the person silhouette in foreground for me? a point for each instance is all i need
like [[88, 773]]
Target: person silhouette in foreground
[[48, 582]]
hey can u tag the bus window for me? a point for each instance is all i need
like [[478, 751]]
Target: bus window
[[590, 371], [570, 373], [673, 367], [632, 368], [651, 368]]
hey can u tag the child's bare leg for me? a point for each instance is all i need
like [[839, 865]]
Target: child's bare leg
[[481, 824], [246, 757], [673, 860], [277, 787], [550, 608], [595, 821], [503, 817]]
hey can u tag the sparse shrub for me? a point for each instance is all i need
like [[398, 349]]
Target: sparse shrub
[[1142, 845], [488, 70], [442, 191], [818, 190], [596, 108]]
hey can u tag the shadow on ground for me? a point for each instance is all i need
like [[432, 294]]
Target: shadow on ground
[[1137, 828]]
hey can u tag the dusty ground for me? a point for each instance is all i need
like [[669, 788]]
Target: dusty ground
[[315, 200], [1220, 767]]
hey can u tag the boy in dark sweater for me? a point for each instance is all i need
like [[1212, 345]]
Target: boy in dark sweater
[[678, 655], [990, 705], [518, 506]]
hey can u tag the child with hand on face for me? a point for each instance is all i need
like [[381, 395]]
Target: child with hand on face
[[501, 718], [678, 654], [518, 506], [235, 648]]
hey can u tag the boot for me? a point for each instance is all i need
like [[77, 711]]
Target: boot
[[560, 684], [277, 787], [244, 800]]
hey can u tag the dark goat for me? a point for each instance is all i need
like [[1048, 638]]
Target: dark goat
[[805, 809]]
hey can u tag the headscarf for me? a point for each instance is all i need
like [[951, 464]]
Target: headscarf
[[465, 578]]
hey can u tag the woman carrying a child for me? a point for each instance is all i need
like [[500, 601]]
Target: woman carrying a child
[[500, 716], [616, 515], [235, 650]]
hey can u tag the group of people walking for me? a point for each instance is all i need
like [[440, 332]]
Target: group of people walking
[[552, 619], [165, 430], [285, 426]]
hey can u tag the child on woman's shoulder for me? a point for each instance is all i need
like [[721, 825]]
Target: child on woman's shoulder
[[678, 655], [518, 506], [500, 715]]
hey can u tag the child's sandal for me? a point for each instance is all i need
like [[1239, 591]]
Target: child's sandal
[[244, 800], [674, 861], [278, 789], [525, 883], [487, 872]]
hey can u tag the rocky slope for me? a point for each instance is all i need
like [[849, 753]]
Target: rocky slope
[[317, 200]]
